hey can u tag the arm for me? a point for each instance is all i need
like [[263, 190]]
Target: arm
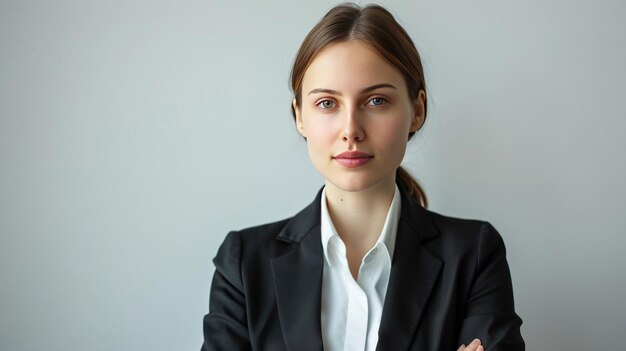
[[225, 327], [490, 315]]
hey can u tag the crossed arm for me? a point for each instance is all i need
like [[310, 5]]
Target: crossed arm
[[489, 314]]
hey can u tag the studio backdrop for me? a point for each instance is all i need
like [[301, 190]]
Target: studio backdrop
[[135, 134]]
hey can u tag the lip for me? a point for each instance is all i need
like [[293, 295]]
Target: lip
[[352, 159]]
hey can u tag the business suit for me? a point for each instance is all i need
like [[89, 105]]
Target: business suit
[[449, 283]]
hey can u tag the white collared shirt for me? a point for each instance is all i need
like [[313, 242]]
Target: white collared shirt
[[352, 310]]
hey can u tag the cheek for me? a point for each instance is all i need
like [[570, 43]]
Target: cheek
[[393, 135], [320, 139], [320, 129]]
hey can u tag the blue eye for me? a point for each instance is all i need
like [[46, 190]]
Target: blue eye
[[377, 101], [326, 104]]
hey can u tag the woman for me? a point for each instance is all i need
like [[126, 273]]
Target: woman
[[365, 266]]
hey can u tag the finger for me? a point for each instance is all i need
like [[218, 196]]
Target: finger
[[480, 348], [473, 346], [461, 348]]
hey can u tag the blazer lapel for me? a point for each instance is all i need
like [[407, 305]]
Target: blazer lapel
[[414, 271], [297, 278]]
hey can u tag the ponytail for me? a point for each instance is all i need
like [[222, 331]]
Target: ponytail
[[412, 186]]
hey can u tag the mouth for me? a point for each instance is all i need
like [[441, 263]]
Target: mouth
[[353, 159]]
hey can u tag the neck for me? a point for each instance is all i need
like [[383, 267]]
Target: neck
[[359, 216]]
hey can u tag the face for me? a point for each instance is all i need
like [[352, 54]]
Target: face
[[356, 116]]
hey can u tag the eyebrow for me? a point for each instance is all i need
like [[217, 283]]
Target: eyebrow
[[366, 90]]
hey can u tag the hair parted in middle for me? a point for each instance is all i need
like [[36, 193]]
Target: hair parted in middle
[[371, 24], [376, 26]]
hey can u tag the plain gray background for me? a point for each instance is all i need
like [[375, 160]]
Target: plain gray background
[[135, 134]]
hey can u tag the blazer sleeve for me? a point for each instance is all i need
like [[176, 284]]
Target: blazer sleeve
[[225, 326], [490, 315]]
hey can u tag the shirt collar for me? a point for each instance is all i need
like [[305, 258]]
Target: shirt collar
[[387, 236]]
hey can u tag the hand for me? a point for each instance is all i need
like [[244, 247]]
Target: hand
[[473, 346]]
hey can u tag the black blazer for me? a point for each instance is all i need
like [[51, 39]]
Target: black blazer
[[449, 283]]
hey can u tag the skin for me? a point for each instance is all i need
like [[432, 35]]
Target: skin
[[354, 100], [473, 346]]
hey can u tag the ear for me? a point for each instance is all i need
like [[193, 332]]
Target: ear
[[419, 111], [299, 123]]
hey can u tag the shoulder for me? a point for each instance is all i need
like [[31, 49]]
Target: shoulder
[[450, 236], [251, 239], [462, 229], [258, 243], [464, 238], [251, 246]]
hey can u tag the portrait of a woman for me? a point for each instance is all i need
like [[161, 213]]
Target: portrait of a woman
[[312, 175], [365, 266]]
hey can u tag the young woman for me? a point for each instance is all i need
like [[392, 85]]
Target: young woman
[[365, 266]]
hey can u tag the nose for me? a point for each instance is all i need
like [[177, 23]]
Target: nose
[[353, 130]]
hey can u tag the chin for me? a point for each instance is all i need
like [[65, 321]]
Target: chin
[[353, 183]]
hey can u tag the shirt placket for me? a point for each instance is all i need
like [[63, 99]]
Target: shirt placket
[[357, 312]]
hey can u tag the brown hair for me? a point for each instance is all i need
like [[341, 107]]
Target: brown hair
[[377, 27]]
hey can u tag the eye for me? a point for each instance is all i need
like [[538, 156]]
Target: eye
[[326, 104], [377, 101]]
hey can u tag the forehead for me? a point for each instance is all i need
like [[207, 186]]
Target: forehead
[[350, 65]]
